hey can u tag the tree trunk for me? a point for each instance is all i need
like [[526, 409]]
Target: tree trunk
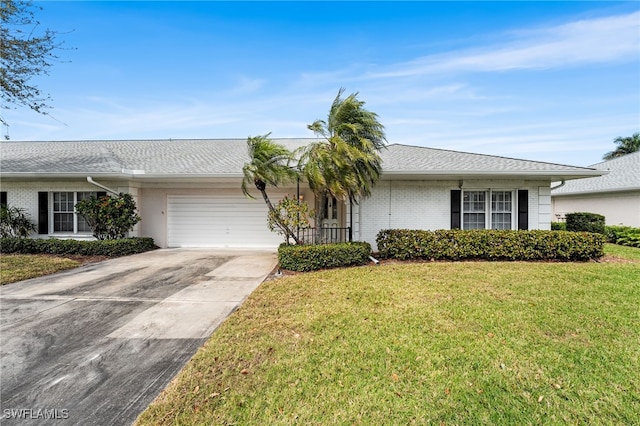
[[320, 213]]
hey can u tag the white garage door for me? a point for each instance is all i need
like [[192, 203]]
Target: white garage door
[[215, 221]]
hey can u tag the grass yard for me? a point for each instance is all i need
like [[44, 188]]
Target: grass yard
[[626, 253], [17, 267], [424, 343]]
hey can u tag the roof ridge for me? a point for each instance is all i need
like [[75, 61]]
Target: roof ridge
[[626, 156]]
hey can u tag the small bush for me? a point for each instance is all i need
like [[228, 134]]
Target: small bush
[[110, 217], [110, 248], [558, 226], [623, 235], [614, 231], [312, 257], [457, 244], [585, 222], [15, 222]]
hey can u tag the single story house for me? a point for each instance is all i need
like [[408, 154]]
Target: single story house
[[188, 191], [615, 195]]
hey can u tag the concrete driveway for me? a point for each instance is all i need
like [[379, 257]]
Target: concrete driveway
[[95, 345]]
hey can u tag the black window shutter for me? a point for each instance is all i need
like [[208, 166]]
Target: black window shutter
[[455, 208], [3, 198], [523, 209], [43, 213]]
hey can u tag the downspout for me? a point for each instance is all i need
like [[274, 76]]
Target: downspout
[[350, 219], [93, 182], [558, 186]]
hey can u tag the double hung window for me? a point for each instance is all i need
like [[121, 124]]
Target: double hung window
[[501, 209], [491, 209], [65, 218]]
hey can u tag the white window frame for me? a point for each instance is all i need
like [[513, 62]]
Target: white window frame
[[488, 213], [52, 212]]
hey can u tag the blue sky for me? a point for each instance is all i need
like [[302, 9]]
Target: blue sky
[[549, 81]]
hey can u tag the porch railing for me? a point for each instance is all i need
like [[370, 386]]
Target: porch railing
[[324, 235]]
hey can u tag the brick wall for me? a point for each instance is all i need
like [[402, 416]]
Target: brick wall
[[427, 205], [405, 205], [25, 194]]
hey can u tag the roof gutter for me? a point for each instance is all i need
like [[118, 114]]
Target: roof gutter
[[93, 182], [560, 185], [560, 174]]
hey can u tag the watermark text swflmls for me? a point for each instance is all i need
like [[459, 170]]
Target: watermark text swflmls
[[35, 413]]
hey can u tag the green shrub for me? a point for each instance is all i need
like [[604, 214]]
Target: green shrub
[[585, 222], [457, 244], [313, 257], [613, 232], [15, 222], [558, 226], [623, 235], [110, 218], [110, 248], [629, 239]]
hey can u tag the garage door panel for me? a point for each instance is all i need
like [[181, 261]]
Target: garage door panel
[[218, 221]]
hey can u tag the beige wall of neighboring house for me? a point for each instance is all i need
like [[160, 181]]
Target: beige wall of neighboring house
[[615, 195], [618, 208]]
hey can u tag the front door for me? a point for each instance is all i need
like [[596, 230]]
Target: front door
[[329, 212], [330, 231]]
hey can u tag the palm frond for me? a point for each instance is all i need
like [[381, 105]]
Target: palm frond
[[626, 145], [269, 163], [346, 164]]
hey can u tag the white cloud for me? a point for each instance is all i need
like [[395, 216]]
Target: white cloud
[[423, 102], [247, 85], [601, 40]]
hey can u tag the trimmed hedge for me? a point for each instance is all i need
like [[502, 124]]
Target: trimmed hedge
[[312, 257], [623, 235], [585, 222], [490, 245], [111, 248], [558, 226]]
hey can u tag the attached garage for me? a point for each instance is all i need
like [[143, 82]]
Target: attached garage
[[218, 221]]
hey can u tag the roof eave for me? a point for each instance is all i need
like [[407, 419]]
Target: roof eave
[[66, 175], [499, 174], [595, 191], [119, 176]]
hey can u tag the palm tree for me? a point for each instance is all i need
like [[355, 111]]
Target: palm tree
[[626, 146], [346, 164], [269, 165]]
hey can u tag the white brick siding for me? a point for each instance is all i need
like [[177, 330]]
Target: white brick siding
[[392, 205], [25, 194], [405, 205], [427, 205]]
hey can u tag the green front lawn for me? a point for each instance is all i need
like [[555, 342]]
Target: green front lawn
[[424, 343], [17, 267], [627, 253]]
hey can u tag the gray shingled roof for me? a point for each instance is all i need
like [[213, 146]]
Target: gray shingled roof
[[225, 157], [624, 175], [406, 158]]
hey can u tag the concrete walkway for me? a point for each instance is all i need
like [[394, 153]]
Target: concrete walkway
[[95, 345]]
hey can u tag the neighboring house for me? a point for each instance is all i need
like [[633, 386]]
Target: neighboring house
[[188, 191], [615, 195]]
